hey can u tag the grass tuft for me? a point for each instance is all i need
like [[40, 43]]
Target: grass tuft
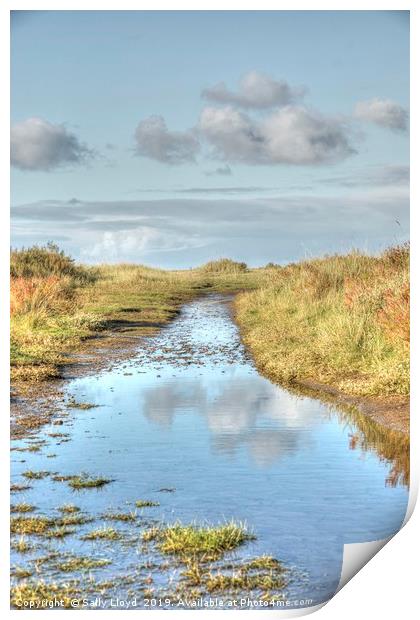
[[30, 525], [69, 508], [81, 564], [208, 542], [35, 475], [22, 545], [145, 503], [22, 507], [105, 533], [120, 516]]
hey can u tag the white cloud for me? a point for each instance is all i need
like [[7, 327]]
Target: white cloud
[[154, 140], [37, 144], [383, 112], [290, 135], [256, 90], [121, 245]]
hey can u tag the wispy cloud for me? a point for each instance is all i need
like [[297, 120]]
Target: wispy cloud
[[223, 171], [383, 112], [256, 90], [37, 144], [380, 176], [224, 190], [185, 231]]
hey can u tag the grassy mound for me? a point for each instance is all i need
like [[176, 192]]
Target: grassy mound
[[224, 265], [341, 320]]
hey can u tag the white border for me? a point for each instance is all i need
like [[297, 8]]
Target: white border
[[387, 585]]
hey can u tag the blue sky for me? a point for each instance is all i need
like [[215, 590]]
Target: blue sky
[[173, 137]]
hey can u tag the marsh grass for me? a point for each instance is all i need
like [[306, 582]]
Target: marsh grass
[[47, 526], [22, 507], [145, 503], [74, 519], [263, 573], [69, 508], [35, 475], [82, 481], [105, 533], [340, 320], [206, 542], [21, 572], [241, 581], [31, 525], [120, 516], [263, 562], [22, 545], [18, 488], [86, 482], [81, 564], [38, 594]]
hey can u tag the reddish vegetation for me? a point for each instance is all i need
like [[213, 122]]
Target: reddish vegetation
[[394, 316], [39, 294]]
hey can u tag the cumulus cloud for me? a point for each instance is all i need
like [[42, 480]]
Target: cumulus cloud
[[289, 135], [383, 112], [37, 144], [256, 90], [119, 245], [154, 140]]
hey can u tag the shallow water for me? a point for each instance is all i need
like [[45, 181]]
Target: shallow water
[[190, 414]]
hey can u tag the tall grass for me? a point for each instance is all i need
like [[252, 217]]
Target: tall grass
[[224, 265], [44, 261], [341, 320]]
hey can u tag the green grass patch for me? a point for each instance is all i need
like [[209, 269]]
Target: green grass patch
[[88, 482], [105, 533], [81, 564], [82, 481], [207, 542], [69, 508], [120, 516], [35, 475]]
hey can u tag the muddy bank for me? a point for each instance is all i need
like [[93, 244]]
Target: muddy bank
[[34, 404], [392, 412]]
